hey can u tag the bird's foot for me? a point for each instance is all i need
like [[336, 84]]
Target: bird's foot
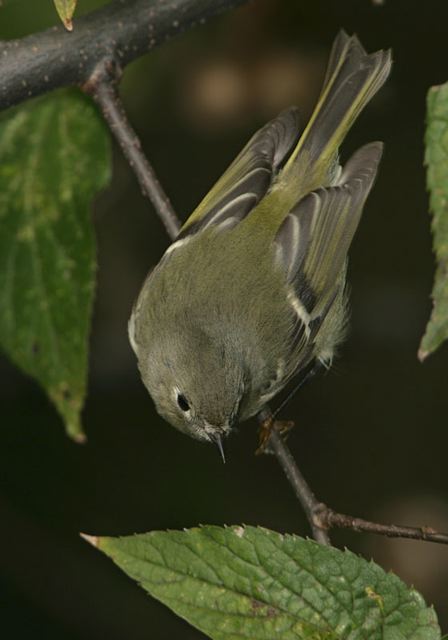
[[283, 427]]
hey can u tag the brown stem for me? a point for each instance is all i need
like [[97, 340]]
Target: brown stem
[[322, 518], [332, 519], [103, 87], [306, 497]]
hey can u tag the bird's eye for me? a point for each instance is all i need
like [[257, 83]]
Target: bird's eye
[[182, 402]]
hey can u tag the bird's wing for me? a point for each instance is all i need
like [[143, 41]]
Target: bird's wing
[[248, 178], [313, 241]]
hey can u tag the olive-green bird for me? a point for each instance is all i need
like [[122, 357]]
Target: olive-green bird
[[252, 292]]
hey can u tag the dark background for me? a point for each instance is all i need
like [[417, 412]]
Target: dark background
[[371, 435]]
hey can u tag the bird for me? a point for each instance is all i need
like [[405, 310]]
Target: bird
[[252, 292]]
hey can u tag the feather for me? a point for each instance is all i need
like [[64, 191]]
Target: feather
[[248, 178], [313, 241], [352, 79]]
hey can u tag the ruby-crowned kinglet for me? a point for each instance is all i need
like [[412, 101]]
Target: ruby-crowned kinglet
[[252, 291]]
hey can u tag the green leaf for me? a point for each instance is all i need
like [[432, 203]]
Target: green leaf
[[66, 9], [436, 160], [54, 156], [246, 582]]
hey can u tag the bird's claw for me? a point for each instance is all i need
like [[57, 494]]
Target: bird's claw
[[283, 427]]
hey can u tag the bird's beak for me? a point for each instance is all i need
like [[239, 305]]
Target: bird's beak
[[218, 441]]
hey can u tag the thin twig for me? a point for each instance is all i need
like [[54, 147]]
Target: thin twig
[[103, 87], [303, 492], [322, 518], [332, 519]]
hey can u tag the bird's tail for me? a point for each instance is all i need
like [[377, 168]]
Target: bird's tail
[[352, 79]]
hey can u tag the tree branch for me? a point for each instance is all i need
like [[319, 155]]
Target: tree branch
[[303, 492], [102, 86], [330, 519], [320, 517], [122, 30]]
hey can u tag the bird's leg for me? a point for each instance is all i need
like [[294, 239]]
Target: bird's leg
[[283, 427]]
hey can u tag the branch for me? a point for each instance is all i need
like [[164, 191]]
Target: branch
[[330, 518], [122, 30], [102, 86], [306, 497], [320, 517]]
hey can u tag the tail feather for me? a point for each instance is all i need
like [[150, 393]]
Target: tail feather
[[337, 56], [352, 79]]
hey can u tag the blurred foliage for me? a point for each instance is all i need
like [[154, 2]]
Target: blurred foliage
[[247, 582], [436, 160], [54, 156]]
